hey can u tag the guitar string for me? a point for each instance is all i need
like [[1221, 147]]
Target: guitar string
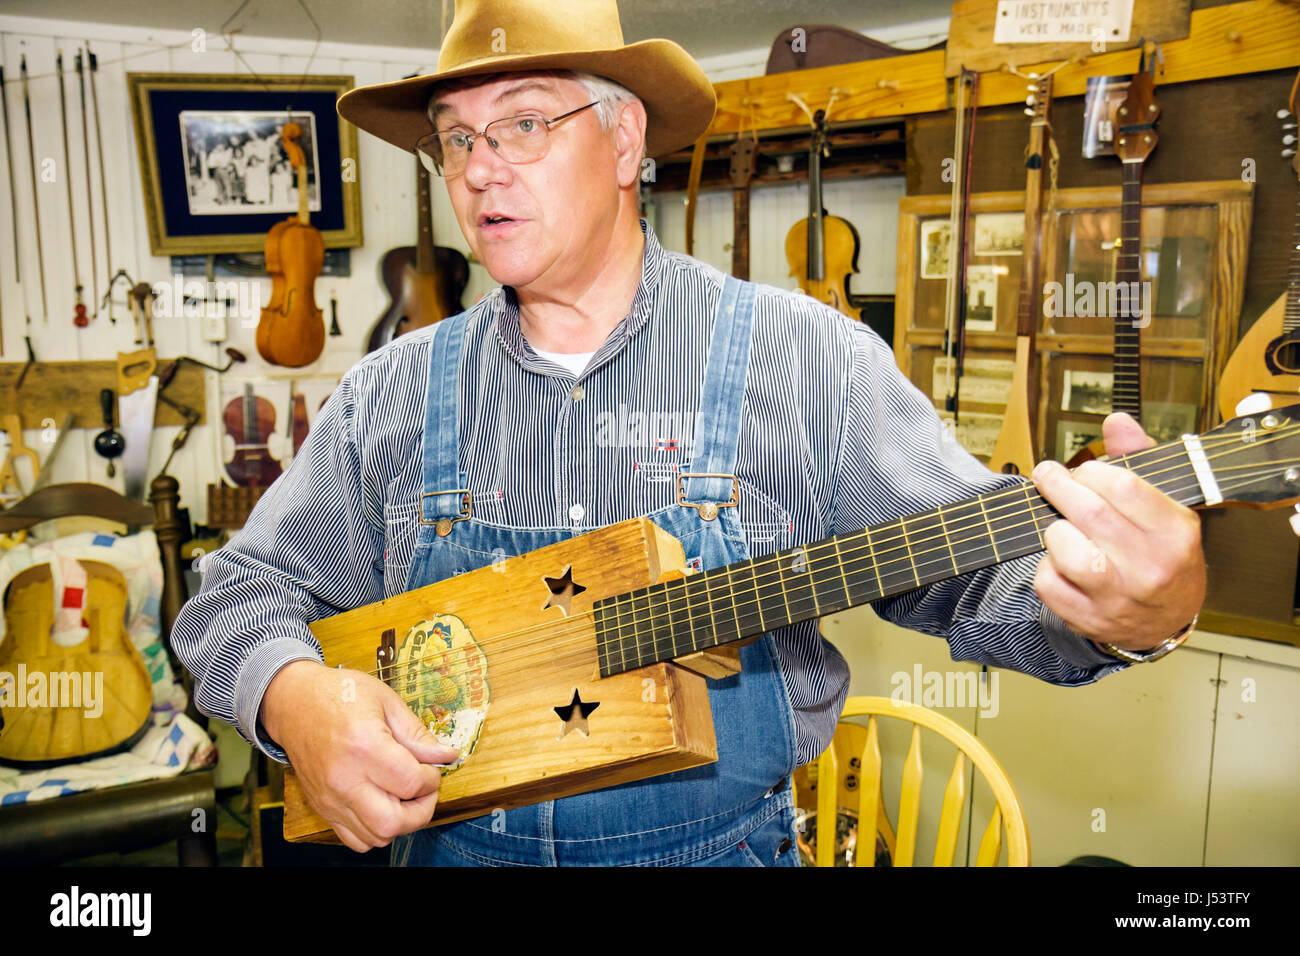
[[583, 654], [557, 628], [873, 548], [560, 629]]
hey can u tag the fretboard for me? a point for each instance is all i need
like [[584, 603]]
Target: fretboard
[[424, 259], [1126, 393], [703, 610], [1291, 320]]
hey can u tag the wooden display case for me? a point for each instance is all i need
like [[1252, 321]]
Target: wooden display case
[[1194, 242]]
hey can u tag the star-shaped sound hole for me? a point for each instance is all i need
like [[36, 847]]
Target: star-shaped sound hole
[[574, 714], [563, 591]]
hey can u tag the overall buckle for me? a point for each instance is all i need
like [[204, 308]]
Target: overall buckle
[[708, 509], [445, 522]]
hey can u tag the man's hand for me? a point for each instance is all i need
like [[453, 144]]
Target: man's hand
[[365, 761], [1125, 566]]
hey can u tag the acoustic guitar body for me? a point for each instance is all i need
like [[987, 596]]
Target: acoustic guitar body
[[62, 725], [1266, 360], [418, 298], [494, 658], [842, 246]]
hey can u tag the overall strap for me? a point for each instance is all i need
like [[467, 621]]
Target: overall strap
[[711, 483], [442, 477]]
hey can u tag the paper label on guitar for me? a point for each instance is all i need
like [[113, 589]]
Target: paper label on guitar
[[1018, 21], [442, 675]]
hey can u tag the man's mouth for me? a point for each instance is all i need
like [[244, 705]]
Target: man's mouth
[[494, 220]]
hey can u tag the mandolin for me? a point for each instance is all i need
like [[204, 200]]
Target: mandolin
[[1266, 362], [822, 250], [1013, 453], [425, 282], [291, 330], [1135, 123], [499, 659]]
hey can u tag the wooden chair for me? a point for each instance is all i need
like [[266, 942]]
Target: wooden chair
[[870, 806], [139, 815]]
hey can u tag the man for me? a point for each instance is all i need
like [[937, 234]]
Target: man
[[529, 396]]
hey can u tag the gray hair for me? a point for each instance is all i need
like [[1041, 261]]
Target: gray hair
[[607, 94]]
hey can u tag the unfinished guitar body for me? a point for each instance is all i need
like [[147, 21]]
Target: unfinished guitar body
[[503, 662], [67, 703]]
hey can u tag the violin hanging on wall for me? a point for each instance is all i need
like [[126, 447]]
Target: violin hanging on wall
[[250, 421], [291, 330], [822, 250]]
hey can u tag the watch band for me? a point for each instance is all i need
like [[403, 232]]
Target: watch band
[[1155, 653]]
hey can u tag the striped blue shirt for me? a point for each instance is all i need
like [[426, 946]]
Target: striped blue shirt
[[832, 439]]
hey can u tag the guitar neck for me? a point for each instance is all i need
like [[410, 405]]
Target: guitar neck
[[1291, 319], [424, 256], [1126, 393], [1027, 316], [669, 620]]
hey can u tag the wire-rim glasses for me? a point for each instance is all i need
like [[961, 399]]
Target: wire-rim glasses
[[522, 138]]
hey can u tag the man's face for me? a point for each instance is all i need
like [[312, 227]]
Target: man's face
[[559, 208]]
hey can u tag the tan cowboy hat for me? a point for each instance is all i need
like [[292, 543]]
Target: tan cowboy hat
[[506, 36]]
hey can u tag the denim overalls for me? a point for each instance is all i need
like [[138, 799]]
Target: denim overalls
[[735, 812]]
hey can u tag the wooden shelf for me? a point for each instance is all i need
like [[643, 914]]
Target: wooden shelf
[[53, 389]]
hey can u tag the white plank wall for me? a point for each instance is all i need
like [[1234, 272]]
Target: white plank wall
[[387, 192]]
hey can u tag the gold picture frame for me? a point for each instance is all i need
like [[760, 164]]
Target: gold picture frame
[[182, 119]]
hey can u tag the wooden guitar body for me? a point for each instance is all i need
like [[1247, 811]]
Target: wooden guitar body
[[418, 298], [524, 657], [1266, 360], [60, 727]]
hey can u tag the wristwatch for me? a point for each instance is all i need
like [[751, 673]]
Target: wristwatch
[[1155, 653]]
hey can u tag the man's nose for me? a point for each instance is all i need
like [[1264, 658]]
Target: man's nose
[[483, 164]]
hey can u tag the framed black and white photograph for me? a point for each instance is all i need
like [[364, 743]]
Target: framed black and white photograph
[[1088, 392], [235, 163], [936, 237], [215, 172], [1000, 234]]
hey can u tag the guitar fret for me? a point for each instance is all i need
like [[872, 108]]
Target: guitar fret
[[839, 561], [943, 527]]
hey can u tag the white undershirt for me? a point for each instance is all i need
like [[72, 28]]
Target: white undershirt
[[575, 362]]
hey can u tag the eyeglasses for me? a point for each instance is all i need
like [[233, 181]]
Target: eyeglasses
[[519, 139]]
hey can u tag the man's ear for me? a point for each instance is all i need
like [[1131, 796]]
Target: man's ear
[[629, 137]]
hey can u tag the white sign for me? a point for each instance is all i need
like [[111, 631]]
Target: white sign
[[1063, 21]]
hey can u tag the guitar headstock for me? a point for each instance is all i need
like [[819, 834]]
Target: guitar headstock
[[1289, 133], [1038, 103], [744, 161], [1135, 120], [1255, 459]]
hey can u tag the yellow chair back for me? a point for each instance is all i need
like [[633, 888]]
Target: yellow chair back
[[851, 744]]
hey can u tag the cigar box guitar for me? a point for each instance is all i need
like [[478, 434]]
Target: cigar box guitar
[[582, 665]]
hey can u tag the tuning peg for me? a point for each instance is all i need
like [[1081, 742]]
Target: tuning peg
[[1029, 112], [1288, 153], [1295, 521], [1283, 114], [1030, 100], [1288, 140]]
